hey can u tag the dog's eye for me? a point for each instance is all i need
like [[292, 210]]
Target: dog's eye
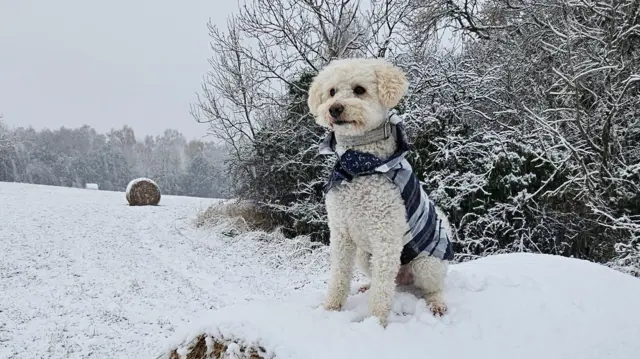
[[332, 92], [359, 90]]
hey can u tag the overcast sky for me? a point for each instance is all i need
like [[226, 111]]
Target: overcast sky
[[105, 63]]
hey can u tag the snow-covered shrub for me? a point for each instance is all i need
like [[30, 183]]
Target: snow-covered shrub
[[234, 217], [246, 220], [485, 182], [627, 257], [528, 135]]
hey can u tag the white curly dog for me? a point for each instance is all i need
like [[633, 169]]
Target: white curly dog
[[367, 207]]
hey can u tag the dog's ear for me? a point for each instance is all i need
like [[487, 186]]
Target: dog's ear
[[392, 84], [315, 96]]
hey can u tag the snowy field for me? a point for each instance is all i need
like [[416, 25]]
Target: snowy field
[[83, 275]]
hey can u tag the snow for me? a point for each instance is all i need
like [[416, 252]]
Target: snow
[[136, 180], [93, 186], [506, 306], [82, 274]]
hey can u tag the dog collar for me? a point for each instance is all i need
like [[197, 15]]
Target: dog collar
[[377, 134], [392, 127], [383, 132]]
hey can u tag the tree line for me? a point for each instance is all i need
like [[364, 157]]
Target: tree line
[[75, 157]]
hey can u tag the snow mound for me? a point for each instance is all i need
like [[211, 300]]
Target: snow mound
[[505, 306]]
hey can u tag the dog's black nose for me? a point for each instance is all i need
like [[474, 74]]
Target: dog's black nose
[[335, 110]]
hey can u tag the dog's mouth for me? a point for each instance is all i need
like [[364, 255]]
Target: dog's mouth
[[339, 122]]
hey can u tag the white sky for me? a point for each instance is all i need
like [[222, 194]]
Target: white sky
[[105, 63]]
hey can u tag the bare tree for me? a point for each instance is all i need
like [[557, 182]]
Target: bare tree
[[269, 44], [433, 15], [232, 91], [388, 22]]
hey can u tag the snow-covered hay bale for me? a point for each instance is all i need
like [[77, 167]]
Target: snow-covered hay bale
[[143, 192], [93, 186], [208, 347], [521, 306]]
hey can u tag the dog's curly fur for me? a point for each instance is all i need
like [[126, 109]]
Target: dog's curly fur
[[367, 217]]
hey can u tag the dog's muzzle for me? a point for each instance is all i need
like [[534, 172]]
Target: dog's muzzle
[[335, 111]]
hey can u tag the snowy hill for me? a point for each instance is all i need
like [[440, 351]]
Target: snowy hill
[[84, 275], [509, 306]]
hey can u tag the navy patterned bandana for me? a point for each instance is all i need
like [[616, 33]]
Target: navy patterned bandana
[[354, 163]]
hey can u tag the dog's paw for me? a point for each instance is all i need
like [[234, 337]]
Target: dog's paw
[[382, 314], [438, 308], [332, 305], [363, 288]]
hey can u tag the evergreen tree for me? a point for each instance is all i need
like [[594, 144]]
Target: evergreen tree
[[287, 175]]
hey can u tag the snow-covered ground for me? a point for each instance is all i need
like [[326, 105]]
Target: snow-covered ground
[[83, 275], [523, 306]]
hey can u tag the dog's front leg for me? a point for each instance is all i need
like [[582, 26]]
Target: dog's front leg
[[385, 263], [343, 251]]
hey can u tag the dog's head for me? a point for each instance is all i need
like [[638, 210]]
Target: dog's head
[[353, 96]]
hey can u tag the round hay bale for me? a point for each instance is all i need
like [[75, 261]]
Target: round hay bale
[[143, 192]]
